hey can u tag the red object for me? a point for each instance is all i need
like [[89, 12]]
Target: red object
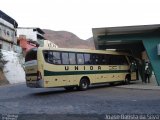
[[26, 44]]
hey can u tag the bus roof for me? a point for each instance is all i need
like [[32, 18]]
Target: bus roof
[[83, 50]]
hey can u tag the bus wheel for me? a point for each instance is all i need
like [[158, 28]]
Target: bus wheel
[[84, 84], [127, 79], [69, 88]]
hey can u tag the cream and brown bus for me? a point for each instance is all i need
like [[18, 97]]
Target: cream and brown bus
[[76, 68]]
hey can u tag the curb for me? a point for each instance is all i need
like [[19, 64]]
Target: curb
[[138, 88]]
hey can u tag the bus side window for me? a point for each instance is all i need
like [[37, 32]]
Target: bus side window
[[112, 60], [107, 59], [65, 58], [97, 60], [72, 58], [94, 59], [56, 58], [87, 59], [50, 57], [102, 59], [118, 60], [45, 55], [80, 59], [124, 60]]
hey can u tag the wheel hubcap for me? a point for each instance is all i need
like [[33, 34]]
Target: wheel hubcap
[[84, 85]]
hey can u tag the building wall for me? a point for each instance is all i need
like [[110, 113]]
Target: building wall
[[6, 45], [144, 56], [29, 33], [7, 35], [7, 31], [2, 21]]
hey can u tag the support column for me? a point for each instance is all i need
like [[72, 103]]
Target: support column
[[150, 45]]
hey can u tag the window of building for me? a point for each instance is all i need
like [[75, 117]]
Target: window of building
[[4, 31], [8, 33], [12, 34]]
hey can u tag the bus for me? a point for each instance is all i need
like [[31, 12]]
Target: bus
[[69, 68]]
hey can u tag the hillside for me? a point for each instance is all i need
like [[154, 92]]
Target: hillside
[[66, 39]]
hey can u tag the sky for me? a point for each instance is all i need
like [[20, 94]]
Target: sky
[[80, 16]]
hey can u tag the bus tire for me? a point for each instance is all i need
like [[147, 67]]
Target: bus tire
[[84, 84], [69, 88], [127, 79]]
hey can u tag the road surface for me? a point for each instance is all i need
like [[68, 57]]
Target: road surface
[[95, 103]]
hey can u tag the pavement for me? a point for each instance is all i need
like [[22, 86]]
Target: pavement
[[139, 85], [133, 85]]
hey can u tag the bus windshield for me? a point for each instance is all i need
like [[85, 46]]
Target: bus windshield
[[31, 55]]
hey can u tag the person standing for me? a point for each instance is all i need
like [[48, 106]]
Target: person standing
[[147, 75]]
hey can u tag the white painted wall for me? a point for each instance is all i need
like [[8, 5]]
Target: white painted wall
[[29, 33], [6, 23], [13, 70], [7, 31]]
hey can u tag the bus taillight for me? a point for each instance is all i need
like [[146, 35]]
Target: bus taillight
[[39, 76]]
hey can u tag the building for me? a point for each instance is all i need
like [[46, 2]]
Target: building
[[7, 32], [31, 33], [32, 37], [26, 44], [143, 41]]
